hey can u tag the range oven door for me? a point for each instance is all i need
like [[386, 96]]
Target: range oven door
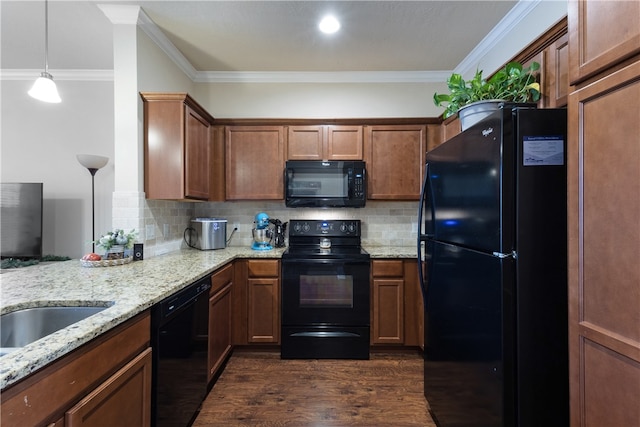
[[325, 292], [325, 309]]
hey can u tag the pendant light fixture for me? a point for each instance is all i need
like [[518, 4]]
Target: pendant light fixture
[[44, 89]]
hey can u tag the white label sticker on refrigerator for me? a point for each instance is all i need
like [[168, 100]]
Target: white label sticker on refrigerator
[[543, 150]]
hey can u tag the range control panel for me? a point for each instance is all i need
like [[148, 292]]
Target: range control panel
[[333, 227]]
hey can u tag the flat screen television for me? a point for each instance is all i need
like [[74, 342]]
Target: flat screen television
[[21, 220]]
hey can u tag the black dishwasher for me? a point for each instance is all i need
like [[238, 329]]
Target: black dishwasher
[[179, 326]]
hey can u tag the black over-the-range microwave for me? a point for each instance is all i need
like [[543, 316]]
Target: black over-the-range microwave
[[325, 184]]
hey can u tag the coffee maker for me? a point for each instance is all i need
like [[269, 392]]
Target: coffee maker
[[279, 231]]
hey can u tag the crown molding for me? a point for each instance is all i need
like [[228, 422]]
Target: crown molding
[[321, 76], [151, 29], [58, 75], [511, 20]]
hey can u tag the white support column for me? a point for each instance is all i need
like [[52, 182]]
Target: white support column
[[128, 197]]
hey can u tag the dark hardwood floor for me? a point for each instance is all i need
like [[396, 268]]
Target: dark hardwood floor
[[259, 389]]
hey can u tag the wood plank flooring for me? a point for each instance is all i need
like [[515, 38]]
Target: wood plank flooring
[[259, 389]]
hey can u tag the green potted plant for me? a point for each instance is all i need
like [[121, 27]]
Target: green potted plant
[[513, 83]]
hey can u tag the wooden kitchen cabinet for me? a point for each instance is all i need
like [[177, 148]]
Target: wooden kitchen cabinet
[[603, 205], [450, 127], [387, 326], [551, 51], [413, 306], [177, 139], [220, 309], [108, 378], [555, 82], [254, 162], [434, 136], [217, 171], [397, 316], [121, 400], [395, 156], [324, 142], [602, 34], [263, 301]]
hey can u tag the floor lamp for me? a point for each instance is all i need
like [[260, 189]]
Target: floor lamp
[[93, 164]]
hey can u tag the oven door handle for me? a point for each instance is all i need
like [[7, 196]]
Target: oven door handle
[[325, 334]]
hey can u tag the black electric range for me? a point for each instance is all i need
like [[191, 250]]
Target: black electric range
[[325, 291]]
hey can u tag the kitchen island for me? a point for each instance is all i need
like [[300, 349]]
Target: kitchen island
[[126, 290]]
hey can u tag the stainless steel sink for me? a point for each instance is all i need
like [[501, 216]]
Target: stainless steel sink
[[25, 326]]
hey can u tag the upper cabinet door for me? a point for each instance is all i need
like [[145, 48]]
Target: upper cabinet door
[[324, 142], [343, 143], [556, 79], [197, 142], [254, 162], [305, 142], [601, 34], [395, 156]]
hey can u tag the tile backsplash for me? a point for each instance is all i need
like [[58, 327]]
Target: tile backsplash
[[161, 223], [383, 223]]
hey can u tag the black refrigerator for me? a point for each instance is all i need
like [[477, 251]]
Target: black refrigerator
[[492, 245]]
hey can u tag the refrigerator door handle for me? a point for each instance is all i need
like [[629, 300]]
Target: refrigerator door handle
[[422, 237], [426, 191], [501, 255]]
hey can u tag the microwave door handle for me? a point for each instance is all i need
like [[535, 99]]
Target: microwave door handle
[[288, 176]]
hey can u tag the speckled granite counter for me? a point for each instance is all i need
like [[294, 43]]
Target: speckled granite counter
[[127, 290], [392, 251]]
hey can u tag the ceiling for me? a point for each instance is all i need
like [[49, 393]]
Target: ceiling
[[258, 36]]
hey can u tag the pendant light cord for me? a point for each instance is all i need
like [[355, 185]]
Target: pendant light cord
[[46, 36]]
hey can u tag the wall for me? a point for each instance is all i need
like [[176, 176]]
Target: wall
[[319, 100], [39, 144]]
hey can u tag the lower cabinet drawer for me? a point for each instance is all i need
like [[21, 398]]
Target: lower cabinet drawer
[[263, 268]]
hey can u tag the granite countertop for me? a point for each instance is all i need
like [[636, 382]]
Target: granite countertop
[[126, 290], [392, 251]]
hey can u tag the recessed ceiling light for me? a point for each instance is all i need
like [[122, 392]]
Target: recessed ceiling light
[[329, 24]]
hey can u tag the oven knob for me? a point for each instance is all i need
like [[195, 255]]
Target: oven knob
[[352, 227], [343, 227], [297, 227], [306, 227]]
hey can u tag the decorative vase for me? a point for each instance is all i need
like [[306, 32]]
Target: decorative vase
[[115, 252], [472, 113]]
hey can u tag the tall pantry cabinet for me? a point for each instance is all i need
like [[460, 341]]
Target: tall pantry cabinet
[[604, 207]]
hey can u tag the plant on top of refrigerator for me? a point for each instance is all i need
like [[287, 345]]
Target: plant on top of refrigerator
[[512, 83]]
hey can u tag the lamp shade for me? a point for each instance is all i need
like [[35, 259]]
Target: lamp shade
[[44, 89], [91, 161]]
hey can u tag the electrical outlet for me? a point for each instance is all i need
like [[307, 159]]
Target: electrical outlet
[[165, 230], [236, 226], [150, 232]]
